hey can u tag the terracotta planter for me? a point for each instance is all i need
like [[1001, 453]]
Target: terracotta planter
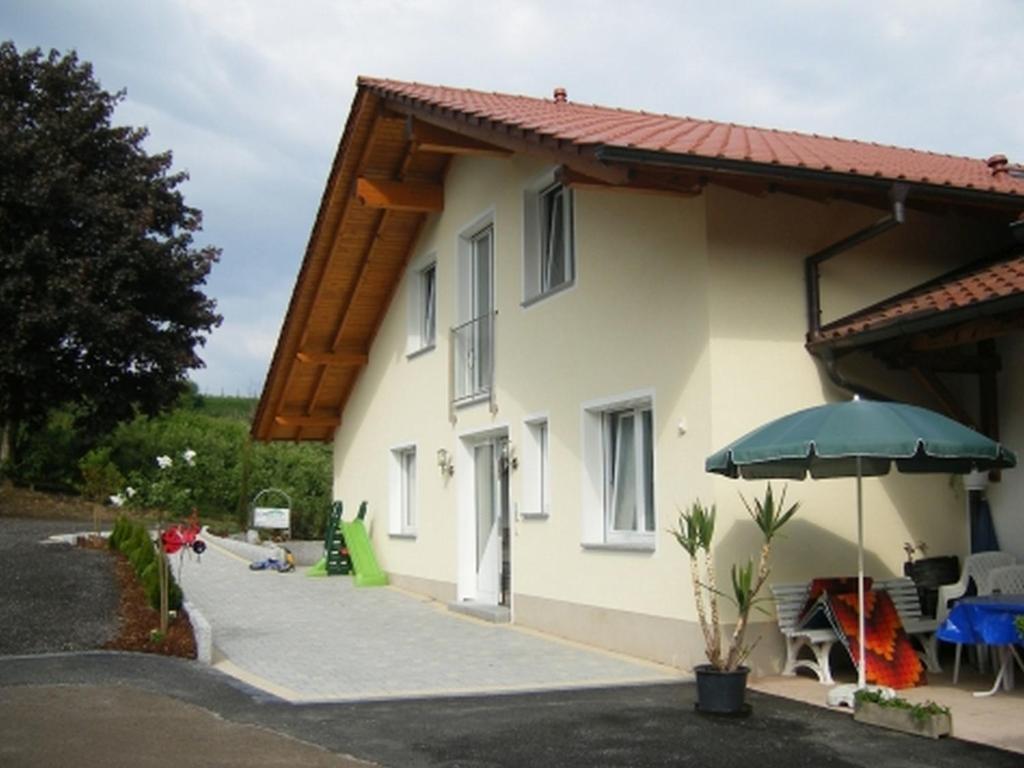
[[721, 693], [899, 719]]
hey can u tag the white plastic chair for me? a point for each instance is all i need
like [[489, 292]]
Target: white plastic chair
[[1006, 580], [977, 568]]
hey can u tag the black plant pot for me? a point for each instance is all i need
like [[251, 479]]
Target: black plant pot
[[721, 693]]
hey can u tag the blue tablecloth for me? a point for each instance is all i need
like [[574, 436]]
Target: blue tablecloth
[[986, 620]]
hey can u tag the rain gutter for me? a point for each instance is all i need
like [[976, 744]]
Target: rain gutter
[[777, 171]]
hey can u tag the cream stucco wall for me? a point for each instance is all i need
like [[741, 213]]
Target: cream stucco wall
[[636, 319], [760, 370], [698, 302], [1007, 496]]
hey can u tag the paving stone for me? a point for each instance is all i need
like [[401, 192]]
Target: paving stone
[[323, 639]]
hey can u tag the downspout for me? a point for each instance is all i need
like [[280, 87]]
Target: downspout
[[812, 278]]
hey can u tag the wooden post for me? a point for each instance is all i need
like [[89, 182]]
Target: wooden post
[[5, 442], [163, 585]]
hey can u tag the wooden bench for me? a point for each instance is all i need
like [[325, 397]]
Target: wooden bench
[[904, 596], [789, 605]]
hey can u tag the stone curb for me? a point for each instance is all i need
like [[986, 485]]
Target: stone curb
[[202, 632]]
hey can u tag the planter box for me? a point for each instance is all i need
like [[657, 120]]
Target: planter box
[[898, 719]]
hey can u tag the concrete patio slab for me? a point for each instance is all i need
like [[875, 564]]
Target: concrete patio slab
[[994, 720]]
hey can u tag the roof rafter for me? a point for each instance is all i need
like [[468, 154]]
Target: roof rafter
[[400, 195], [427, 137]]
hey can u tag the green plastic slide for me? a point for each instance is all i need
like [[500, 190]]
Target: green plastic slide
[[364, 562]]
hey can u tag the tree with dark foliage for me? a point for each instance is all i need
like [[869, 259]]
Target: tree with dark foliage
[[101, 301]]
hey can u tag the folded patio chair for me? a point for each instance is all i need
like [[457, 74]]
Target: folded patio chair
[[790, 600], [890, 657], [904, 595]]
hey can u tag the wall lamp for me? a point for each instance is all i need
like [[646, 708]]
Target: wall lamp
[[444, 462]]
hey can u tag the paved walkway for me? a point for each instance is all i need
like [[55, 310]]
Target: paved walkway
[[322, 639]]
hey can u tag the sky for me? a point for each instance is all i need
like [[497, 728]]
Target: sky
[[251, 96]]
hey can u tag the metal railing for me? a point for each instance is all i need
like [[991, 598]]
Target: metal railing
[[472, 360]]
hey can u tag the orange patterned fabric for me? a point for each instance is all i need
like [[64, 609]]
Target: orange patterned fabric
[[834, 585], [889, 656]]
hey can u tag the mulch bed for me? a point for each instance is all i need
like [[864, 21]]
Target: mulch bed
[[137, 619]]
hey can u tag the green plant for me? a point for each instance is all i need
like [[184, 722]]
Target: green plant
[[100, 476], [1019, 621], [695, 531], [918, 712]]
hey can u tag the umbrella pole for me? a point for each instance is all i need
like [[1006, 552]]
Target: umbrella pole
[[861, 671]]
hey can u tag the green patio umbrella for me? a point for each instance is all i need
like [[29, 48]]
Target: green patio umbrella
[[858, 438]]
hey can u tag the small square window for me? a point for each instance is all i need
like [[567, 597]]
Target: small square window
[[549, 262]]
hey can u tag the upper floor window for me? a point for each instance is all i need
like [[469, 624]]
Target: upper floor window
[[473, 338], [422, 325], [549, 253]]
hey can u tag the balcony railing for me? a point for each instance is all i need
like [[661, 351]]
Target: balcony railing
[[472, 360]]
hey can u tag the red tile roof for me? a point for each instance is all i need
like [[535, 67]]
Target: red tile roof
[[591, 125], [974, 286]]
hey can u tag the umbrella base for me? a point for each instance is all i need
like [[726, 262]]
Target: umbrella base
[[842, 695]]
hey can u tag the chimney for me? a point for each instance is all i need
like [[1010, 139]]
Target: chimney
[[561, 97], [998, 164]]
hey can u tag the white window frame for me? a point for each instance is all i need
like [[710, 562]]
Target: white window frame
[[421, 335], [598, 526], [537, 239], [403, 492], [466, 309], [536, 467]]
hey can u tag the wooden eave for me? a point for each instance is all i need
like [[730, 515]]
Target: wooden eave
[[354, 260]]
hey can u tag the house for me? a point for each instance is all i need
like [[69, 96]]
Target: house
[[524, 323]]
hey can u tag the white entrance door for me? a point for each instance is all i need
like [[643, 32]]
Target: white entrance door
[[490, 494]]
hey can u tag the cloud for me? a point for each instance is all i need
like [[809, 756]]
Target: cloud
[[252, 95]]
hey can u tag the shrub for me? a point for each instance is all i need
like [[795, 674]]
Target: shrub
[[138, 539], [151, 585], [115, 533], [47, 457], [143, 556], [100, 476]]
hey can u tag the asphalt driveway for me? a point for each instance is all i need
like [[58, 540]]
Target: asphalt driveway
[[103, 708]]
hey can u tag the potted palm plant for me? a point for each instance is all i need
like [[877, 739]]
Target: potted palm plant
[[722, 682]]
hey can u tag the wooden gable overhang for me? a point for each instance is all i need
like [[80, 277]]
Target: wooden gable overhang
[[387, 176], [377, 196]]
